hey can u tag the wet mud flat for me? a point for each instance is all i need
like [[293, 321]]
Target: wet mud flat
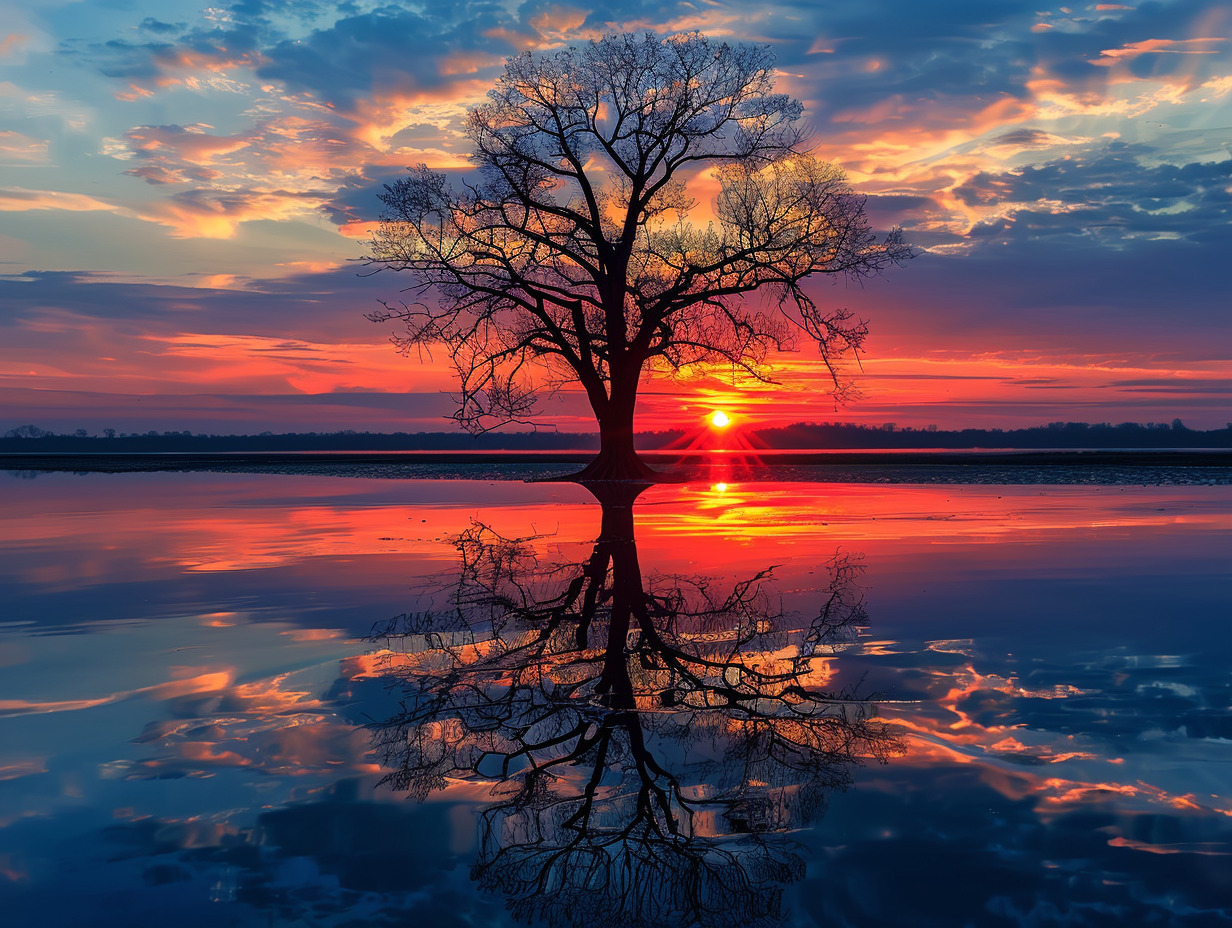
[[1104, 467]]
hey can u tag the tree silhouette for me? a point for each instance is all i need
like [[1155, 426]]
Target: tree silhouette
[[646, 740], [570, 257]]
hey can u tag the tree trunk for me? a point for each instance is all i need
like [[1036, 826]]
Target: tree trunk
[[617, 458], [616, 541]]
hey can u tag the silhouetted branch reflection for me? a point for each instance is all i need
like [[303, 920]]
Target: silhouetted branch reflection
[[645, 736]]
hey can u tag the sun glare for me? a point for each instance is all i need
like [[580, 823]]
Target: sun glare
[[719, 419]]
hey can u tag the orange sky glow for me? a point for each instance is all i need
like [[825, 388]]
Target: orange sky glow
[[189, 202]]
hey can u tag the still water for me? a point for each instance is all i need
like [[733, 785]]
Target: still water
[[237, 699]]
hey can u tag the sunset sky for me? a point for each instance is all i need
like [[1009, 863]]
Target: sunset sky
[[185, 191]]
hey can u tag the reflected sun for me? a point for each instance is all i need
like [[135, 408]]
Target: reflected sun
[[719, 419]]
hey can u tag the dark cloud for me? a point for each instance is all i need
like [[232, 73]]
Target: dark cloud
[[1016, 863], [389, 48], [1115, 174], [323, 305], [156, 174], [149, 24], [1214, 385], [921, 52], [358, 201], [237, 33], [1070, 294], [237, 203], [163, 171], [1025, 138], [1112, 198]]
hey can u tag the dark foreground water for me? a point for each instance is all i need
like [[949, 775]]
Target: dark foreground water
[[237, 699]]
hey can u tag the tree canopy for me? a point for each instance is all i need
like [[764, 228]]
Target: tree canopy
[[570, 254]]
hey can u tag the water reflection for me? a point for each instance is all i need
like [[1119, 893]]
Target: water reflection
[[650, 740], [184, 702]]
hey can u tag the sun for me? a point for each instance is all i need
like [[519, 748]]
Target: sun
[[719, 419]]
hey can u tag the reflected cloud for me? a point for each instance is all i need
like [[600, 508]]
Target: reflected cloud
[[275, 726]]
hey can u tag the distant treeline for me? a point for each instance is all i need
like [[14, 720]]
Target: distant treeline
[[30, 438], [1052, 435]]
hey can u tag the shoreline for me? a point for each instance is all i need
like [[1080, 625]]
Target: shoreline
[[701, 462]]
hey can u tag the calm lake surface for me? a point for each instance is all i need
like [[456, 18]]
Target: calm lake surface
[[280, 699]]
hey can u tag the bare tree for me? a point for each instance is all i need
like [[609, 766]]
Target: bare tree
[[570, 258]]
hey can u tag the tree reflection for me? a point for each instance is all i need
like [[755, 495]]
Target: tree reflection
[[651, 740]]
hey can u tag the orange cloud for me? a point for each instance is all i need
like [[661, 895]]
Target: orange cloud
[[133, 93], [289, 165], [925, 148], [38, 707], [23, 768], [11, 42], [20, 200], [219, 214], [558, 20], [359, 230], [189, 685], [1210, 45], [387, 111], [188, 143], [22, 148], [435, 158], [66, 350], [175, 688], [302, 366], [309, 267], [195, 69], [468, 62], [515, 38]]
